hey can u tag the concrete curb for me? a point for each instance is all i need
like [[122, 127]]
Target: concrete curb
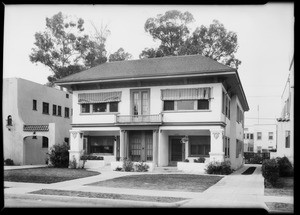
[[93, 202]]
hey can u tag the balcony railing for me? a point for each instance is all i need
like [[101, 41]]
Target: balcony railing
[[139, 119]]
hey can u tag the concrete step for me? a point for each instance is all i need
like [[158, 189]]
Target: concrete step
[[166, 169]]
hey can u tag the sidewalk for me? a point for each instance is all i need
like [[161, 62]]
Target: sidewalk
[[233, 191]]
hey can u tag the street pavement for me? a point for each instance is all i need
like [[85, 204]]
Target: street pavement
[[232, 191]]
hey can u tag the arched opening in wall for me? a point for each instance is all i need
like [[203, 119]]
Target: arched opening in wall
[[35, 150]]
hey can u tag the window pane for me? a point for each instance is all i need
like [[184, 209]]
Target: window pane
[[270, 135], [54, 109], [203, 104], [45, 107], [85, 108], [185, 105], [102, 144], [251, 136], [34, 105], [66, 112], [199, 145], [45, 142], [168, 105], [101, 107], [113, 107], [259, 135], [59, 111]]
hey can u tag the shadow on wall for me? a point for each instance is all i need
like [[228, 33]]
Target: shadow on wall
[[35, 149]]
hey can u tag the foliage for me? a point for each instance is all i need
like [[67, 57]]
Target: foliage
[[219, 168], [9, 162], [91, 157], [119, 169], [199, 160], [171, 29], [285, 167], [270, 171], [64, 49], [120, 55], [141, 167], [127, 165], [257, 159], [186, 160], [73, 163], [59, 155]]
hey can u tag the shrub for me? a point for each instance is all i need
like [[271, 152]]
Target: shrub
[[91, 157], [118, 169], [127, 165], [9, 162], [73, 163], [257, 159], [220, 168], [141, 167], [199, 160], [186, 160], [270, 171], [59, 155], [285, 167]]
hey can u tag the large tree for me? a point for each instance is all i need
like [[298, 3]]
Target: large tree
[[120, 55], [171, 29], [65, 49]]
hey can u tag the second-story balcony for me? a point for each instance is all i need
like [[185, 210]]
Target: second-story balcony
[[139, 119]]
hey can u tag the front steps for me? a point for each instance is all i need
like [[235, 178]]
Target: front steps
[[166, 169]]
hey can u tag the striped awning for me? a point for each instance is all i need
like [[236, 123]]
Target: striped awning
[[186, 94], [85, 98], [36, 128]]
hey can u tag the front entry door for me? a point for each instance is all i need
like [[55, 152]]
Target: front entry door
[[176, 150], [140, 145]]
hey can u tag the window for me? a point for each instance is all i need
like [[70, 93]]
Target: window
[[259, 135], [185, 105], [67, 113], [67, 95], [54, 110], [45, 142], [59, 111], [203, 104], [199, 145], [259, 149], [9, 120], [34, 106], [287, 139], [45, 108], [85, 108], [113, 107], [270, 135], [225, 105], [168, 105], [100, 107], [251, 136], [226, 141], [102, 144], [66, 140], [239, 148]]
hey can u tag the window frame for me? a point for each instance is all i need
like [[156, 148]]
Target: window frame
[[54, 112], [47, 108], [205, 145], [45, 144], [67, 112], [195, 105], [260, 136], [34, 104], [272, 136], [59, 111]]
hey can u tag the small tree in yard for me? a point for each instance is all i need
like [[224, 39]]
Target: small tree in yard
[[59, 155]]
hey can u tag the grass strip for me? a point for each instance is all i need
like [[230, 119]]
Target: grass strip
[[249, 171], [108, 195]]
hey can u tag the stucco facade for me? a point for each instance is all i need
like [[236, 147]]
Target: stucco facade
[[18, 96], [160, 120]]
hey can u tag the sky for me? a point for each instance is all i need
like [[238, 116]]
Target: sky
[[265, 39]]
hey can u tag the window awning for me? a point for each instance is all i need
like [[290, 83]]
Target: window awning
[[186, 94], [86, 98]]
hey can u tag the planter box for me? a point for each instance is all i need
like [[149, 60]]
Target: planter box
[[114, 165], [93, 164], [192, 167]]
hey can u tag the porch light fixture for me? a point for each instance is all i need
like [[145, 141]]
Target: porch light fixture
[[34, 136], [185, 139]]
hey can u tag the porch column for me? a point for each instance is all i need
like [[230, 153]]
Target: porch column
[[122, 145], [155, 147], [216, 145], [76, 146]]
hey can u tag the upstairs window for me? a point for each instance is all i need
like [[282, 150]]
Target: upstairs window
[[287, 139], [113, 107], [251, 136], [259, 135], [54, 110], [203, 104], [34, 104], [45, 108], [225, 105], [270, 135], [67, 113], [185, 105], [169, 105], [101, 107], [59, 111], [85, 108]]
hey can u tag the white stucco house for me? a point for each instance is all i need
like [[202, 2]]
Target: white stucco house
[[35, 117], [159, 110], [285, 122]]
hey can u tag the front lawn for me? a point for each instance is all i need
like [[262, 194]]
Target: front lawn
[[46, 175], [175, 182]]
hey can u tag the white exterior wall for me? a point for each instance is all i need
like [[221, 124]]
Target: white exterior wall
[[18, 96], [264, 143]]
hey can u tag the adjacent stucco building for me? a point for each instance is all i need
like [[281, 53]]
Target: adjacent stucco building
[[34, 118], [159, 110]]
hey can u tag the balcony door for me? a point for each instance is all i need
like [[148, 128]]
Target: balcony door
[[140, 102]]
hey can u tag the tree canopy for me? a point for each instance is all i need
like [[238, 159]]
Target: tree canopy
[[172, 31], [120, 55]]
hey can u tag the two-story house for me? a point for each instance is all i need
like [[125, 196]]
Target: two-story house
[[158, 110], [35, 117]]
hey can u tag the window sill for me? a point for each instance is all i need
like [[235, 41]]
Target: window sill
[[184, 111], [46, 114], [100, 113]]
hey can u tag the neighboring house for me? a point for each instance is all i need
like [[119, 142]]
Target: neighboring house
[[158, 110], [34, 118], [248, 139], [261, 137], [285, 146]]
